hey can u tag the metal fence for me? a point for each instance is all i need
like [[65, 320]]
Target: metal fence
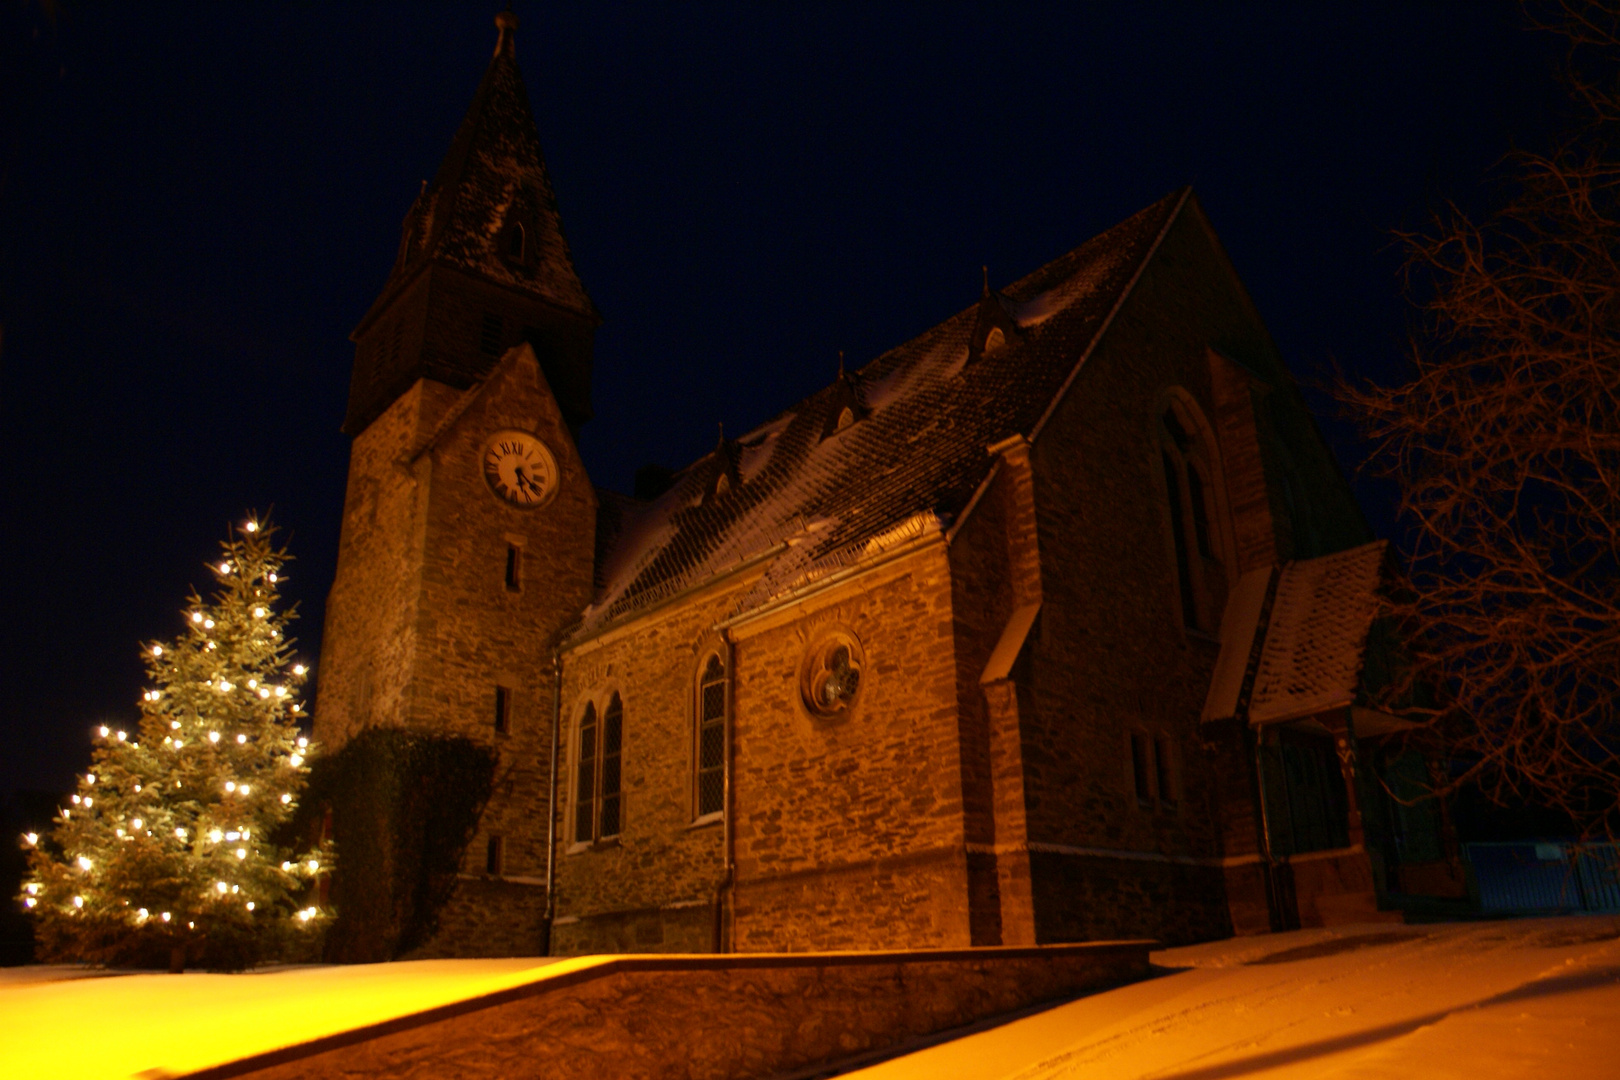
[[1546, 876]]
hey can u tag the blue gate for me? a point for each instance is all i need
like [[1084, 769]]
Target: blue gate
[[1545, 876]]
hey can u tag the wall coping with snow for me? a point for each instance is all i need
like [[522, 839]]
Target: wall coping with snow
[[712, 1016]]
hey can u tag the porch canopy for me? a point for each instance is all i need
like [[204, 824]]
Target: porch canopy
[[1294, 641]]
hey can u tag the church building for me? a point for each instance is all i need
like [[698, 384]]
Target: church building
[[1049, 624]]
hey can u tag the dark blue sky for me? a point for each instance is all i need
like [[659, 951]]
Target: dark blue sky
[[198, 203]]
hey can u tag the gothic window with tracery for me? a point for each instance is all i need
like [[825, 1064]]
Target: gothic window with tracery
[[598, 813], [830, 676], [1184, 461], [611, 817], [711, 738], [585, 787]]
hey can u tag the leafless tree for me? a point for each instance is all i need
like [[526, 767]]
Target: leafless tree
[[1505, 444]]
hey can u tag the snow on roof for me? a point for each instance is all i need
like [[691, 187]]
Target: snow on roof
[[918, 447], [1316, 637]]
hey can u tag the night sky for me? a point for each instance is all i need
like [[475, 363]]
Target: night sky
[[198, 203]]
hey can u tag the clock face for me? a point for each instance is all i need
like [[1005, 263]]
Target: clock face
[[519, 468]]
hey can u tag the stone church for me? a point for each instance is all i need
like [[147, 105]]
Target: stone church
[[1048, 624]]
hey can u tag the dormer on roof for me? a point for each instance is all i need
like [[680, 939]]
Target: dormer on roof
[[994, 327], [847, 403], [725, 472]]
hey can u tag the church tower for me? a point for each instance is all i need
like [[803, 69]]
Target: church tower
[[469, 521], [482, 265]]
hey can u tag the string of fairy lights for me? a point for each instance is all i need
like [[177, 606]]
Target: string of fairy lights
[[195, 795]]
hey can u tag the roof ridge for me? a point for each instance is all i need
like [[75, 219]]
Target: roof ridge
[[1181, 198], [921, 447]]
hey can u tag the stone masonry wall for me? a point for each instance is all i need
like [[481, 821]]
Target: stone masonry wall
[[1113, 656], [474, 633], [369, 637], [422, 627], [849, 832], [654, 887], [703, 1018], [982, 601], [1092, 898]]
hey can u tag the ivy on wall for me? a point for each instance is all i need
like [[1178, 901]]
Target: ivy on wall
[[402, 807]]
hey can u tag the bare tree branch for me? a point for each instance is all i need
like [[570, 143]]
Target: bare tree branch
[[1505, 443]]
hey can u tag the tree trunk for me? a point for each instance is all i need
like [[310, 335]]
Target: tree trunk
[[177, 960]]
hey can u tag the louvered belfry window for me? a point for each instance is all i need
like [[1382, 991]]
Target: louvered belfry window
[[711, 738], [490, 335]]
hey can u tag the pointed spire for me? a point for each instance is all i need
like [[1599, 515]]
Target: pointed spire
[[492, 181], [840, 363], [488, 214], [986, 269], [506, 23]]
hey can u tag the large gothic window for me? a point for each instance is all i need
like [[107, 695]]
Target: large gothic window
[[711, 738], [598, 812], [1185, 462]]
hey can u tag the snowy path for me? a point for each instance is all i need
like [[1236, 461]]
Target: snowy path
[[1536, 998], [1480, 1001]]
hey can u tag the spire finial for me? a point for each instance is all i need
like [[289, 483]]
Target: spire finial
[[986, 269], [840, 363], [506, 23]]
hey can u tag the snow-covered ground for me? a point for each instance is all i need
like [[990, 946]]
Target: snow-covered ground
[[1476, 1001], [64, 1024]]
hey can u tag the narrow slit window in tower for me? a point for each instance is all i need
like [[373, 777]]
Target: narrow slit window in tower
[[503, 709], [492, 856]]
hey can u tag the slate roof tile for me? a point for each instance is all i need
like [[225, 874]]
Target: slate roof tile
[[1316, 637], [911, 463]]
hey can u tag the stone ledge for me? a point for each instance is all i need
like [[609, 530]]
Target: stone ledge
[[711, 1016]]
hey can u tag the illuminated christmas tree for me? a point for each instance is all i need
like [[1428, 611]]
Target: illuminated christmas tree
[[167, 852]]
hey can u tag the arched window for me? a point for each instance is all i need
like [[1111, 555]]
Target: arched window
[[845, 418], [1187, 491], [597, 803], [711, 738], [515, 239], [612, 817], [994, 340], [585, 789]]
